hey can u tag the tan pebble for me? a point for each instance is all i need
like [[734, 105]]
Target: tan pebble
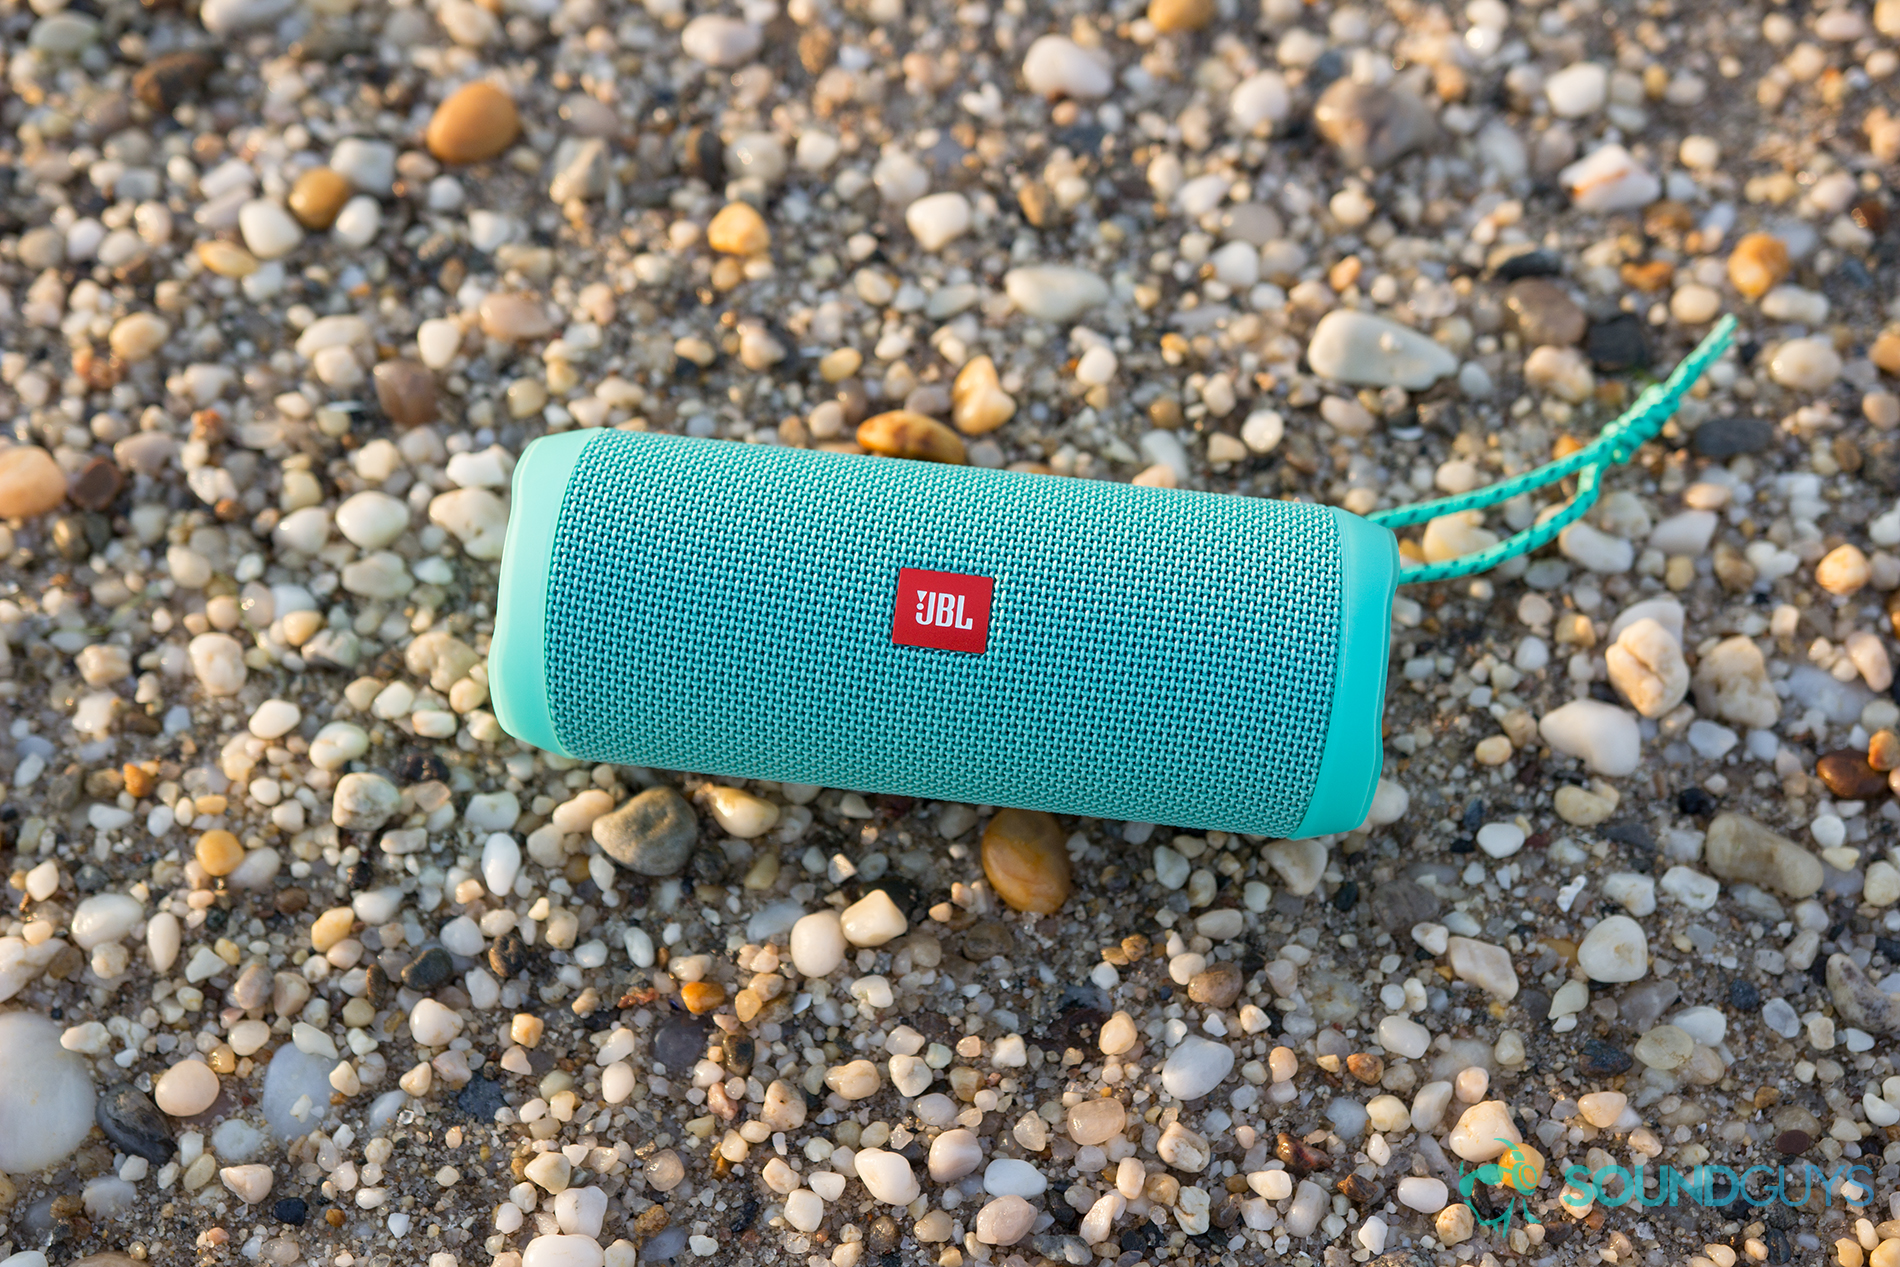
[[514, 317], [1886, 352], [331, 927], [978, 403], [138, 335], [31, 483], [1026, 858], [473, 124], [1173, 16], [1843, 571], [187, 1089], [840, 364], [1883, 751], [738, 229], [701, 997], [1758, 261], [226, 259], [219, 852], [903, 434], [1493, 750], [317, 197], [406, 391]]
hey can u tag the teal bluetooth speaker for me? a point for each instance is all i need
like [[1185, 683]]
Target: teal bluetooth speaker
[[947, 632]]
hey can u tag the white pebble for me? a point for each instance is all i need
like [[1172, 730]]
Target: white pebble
[[1056, 66]]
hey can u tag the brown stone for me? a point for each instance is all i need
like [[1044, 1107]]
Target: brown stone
[[473, 124], [1886, 352], [31, 483], [1218, 985], [1545, 312], [1649, 276], [1366, 1067], [139, 781], [701, 997], [97, 485], [1849, 776], [1360, 1190], [1171, 17], [317, 198], [406, 391], [902, 434], [1758, 261], [1300, 1157], [1026, 857], [738, 229], [168, 81]]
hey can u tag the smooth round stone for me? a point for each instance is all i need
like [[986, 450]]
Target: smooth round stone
[[169, 80], [887, 1177], [364, 801], [475, 517], [1609, 179], [473, 124], [1195, 1067], [46, 1097], [1605, 737], [186, 1089], [1373, 125], [1172, 17], [1004, 1221], [653, 834], [501, 863], [31, 483], [275, 718], [738, 229], [1484, 1131], [1758, 262], [1026, 860], [1615, 950], [1577, 90], [227, 17], [904, 433], [936, 220], [359, 221], [1545, 311], [104, 918], [250, 1184], [432, 1024], [741, 813], [1012, 1176], [563, 1251], [872, 920], [1601, 1109], [1096, 1121], [136, 337], [804, 1210], [1426, 1195], [1500, 840], [1258, 102], [1363, 350], [317, 197], [1054, 292], [717, 40], [1808, 365], [1056, 66], [371, 519], [133, 1124], [512, 318], [406, 391], [269, 231], [1665, 1047], [954, 1154], [818, 944], [857, 1080]]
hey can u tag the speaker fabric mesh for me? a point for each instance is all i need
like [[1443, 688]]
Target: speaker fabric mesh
[[1154, 655]]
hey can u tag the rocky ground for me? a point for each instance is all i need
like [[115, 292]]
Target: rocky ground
[[309, 962]]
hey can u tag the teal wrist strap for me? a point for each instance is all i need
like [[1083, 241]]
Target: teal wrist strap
[[1618, 442]]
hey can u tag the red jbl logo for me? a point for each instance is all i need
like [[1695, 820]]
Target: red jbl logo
[[945, 610]]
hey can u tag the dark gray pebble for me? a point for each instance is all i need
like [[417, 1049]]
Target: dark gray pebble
[[134, 1125]]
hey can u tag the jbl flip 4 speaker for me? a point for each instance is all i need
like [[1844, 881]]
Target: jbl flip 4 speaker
[[946, 632]]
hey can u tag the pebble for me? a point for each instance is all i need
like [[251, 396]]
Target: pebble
[[1056, 66], [104, 918], [1373, 125], [954, 1154], [250, 1184], [1500, 840], [316, 198], [1484, 1131], [1731, 681], [1848, 775], [562, 1250], [133, 1124], [1217, 985], [269, 231], [887, 1177], [31, 483], [364, 801], [979, 405], [1545, 312], [1808, 365], [1740, 850], [902, 433], [1004, 1220], [1614, 951], [738, 229], [1647, 668], [1757, 264], [169, 80], [1012, 1176], [1860, 1001], [1054, 292], [475, 123], [818, 944], [372, 519], [717, 40], [1664, 1047], [1026, 859], [1606, 738], [741, 813], [1173, 17], [1424, 1194], [1096, 1121], [432, 1024], [1609, 179], [872, 920], [1257, 102], [1359, 349], [186, 1089], [133, 338], [1195, 1067], [514, 318], [406, 392], [938, 219], [46, 1099], [1577, 90], [1484, 965], [1843, 571], [226, 17], [653, 834]]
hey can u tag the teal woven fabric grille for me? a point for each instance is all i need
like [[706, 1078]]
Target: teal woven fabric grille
[[1154, 655]]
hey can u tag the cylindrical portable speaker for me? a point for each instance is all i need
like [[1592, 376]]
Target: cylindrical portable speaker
[[947, 632]]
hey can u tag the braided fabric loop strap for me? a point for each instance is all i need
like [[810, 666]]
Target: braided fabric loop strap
[[1618, 442]]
